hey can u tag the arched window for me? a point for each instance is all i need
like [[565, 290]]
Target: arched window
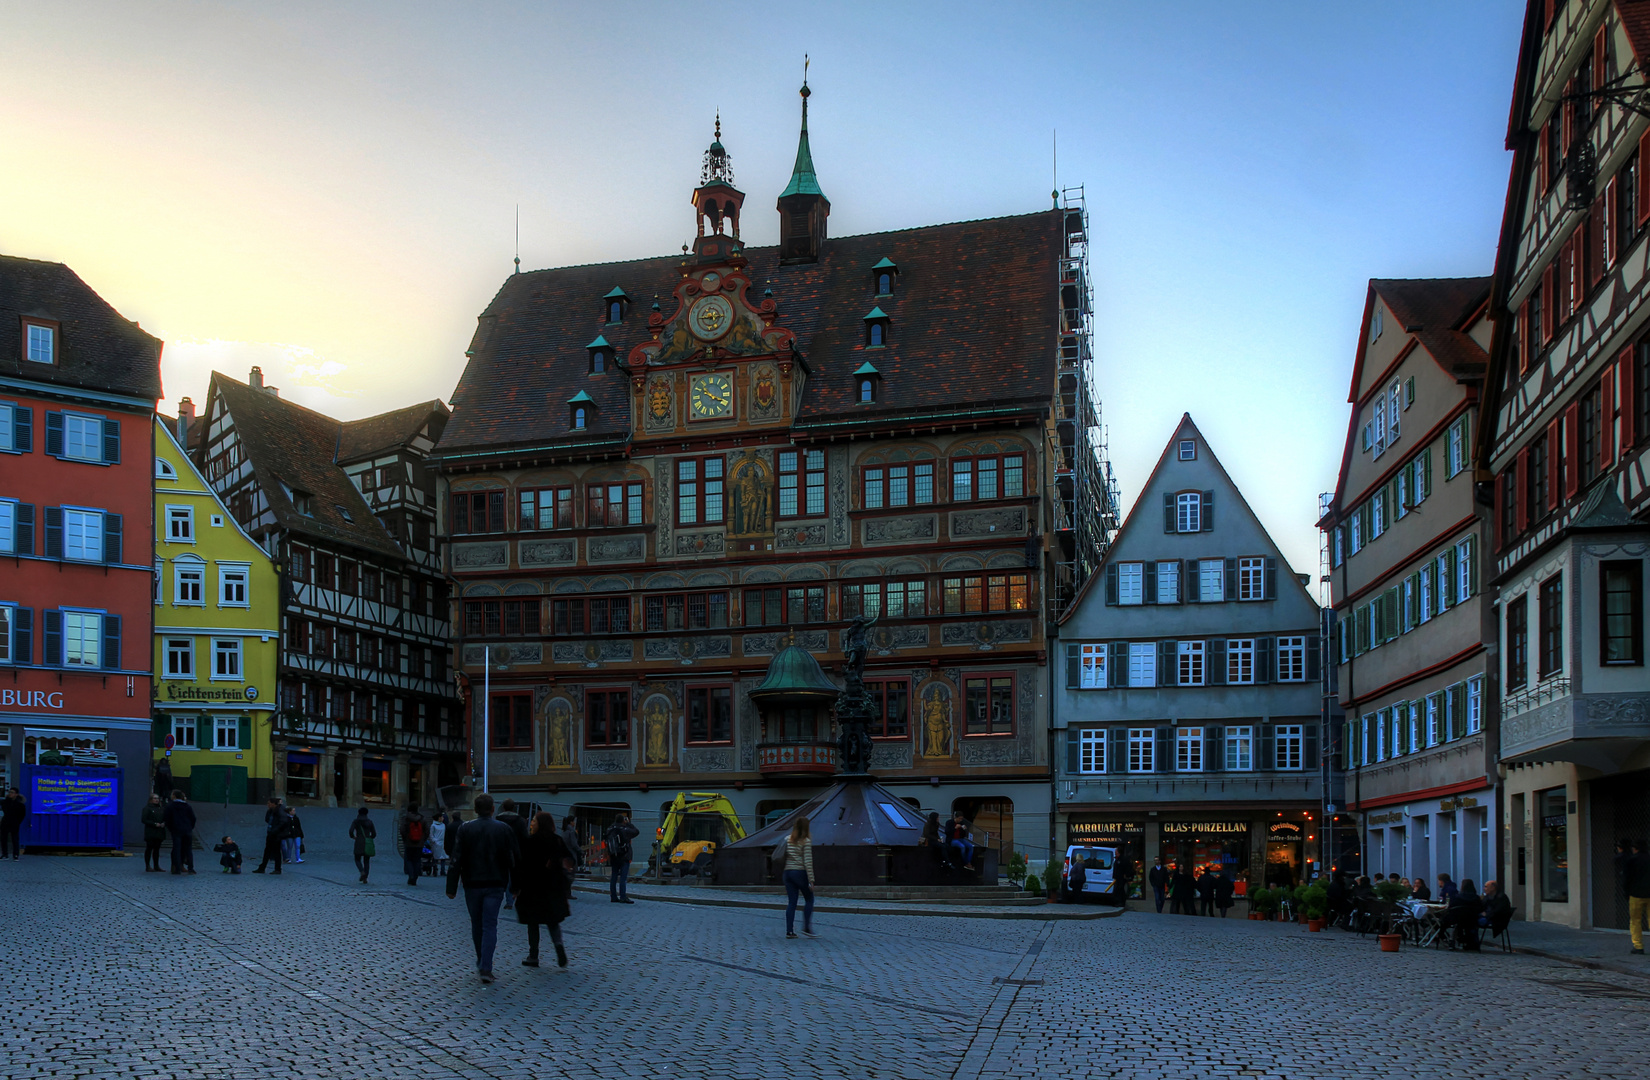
[[876, 338], [885, 283], [598, 361], [578, 417], [867, 390], [876, 328], [615, 311]]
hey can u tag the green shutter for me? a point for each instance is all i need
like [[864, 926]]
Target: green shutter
[[1074, 666], [1071, 751], [245, 741], [1472, 565], [1425, 471], [159, 728]]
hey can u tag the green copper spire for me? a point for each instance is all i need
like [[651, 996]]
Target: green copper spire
[[803, 179]]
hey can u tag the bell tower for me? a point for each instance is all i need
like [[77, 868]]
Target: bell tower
[[803, 207], [716, 199]]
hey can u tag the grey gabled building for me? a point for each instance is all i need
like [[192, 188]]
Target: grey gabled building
[[1186, 720]]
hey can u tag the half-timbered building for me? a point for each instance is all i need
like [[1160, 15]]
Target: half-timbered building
[[660, 472], [1564, 455], [369, 711]]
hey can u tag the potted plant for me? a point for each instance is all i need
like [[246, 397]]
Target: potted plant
[[1034, 885], [1314, 901], [1051, 881], [1263, 903], [1016, 868], [1391, 892]]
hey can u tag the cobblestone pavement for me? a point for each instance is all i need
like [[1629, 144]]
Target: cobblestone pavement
[[115, 973]]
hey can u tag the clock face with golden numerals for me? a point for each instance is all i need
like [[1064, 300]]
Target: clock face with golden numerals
[[711, 396]]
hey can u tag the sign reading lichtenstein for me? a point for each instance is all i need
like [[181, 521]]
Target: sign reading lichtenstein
[[70, 794], [192, 693]]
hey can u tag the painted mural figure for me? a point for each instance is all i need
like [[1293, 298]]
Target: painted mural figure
[[752, 497], [936, 725], [655, 725], [558, 752]]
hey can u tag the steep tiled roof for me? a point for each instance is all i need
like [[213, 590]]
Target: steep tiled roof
[[973, 324], [386, 431], [98, 349], [294, 448], [1635, 20], [1432, 303]]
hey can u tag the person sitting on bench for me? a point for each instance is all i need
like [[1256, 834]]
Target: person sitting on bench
[[960, 841]]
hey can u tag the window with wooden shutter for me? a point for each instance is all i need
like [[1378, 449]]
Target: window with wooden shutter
[[1208, 511], [1593, 243], [1607, 425], [1549, 292], [1169, 523], [1635, 393]]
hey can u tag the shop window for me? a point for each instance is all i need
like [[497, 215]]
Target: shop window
[[1142, 750], [897, 485], [890, 708], [989, 704], [1289, 741], [1518, 642], [980, 478], [699, 490], [478, 512], [595, 615], [1188, 749], [607, 718], [1091, 750], [1621, 610], [893, 599], [1550, 627], [612, 505], [1240, 749], [709, 714], [693, 611], [801, 483], [1555, 845], [302, 776], [545, 508], [375, 780], [510, 722]]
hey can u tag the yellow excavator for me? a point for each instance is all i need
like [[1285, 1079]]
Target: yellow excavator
[[690, 831]]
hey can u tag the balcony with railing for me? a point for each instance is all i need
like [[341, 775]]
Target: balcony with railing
[[797, 757]]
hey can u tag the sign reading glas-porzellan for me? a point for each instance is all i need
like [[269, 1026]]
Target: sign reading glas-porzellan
[[71, 794]]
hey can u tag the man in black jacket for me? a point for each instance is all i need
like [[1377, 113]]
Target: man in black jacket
[[619, 835], [1158, 878], [511, 816], [483, 859], [180, 822], [275, 822]]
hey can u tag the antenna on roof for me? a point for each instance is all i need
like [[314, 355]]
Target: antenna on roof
[[518, 238], [1056, 191]]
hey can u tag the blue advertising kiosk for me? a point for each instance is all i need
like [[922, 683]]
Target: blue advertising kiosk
[[72, 806]]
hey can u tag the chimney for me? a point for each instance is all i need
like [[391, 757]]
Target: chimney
[[186, 420], [256, 379]]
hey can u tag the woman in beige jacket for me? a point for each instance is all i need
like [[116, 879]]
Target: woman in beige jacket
[[799, 876]]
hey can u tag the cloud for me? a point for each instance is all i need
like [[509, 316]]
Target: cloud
[[302, 374]]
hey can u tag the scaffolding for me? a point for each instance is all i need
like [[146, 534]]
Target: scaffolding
[[1086, 515]]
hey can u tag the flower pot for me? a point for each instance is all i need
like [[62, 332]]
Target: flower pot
[[1255, 915], [1315, 925], [1389, 942]]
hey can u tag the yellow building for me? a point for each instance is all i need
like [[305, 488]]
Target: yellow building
[[217, 632]]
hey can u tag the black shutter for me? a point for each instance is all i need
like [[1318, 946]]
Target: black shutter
[[22, 635], [1167, 675], [1309, 751], [22, 429], [1208, 511], [1231, 579], [159, 728], [1071, 751], [1074, 665], [1165, 749], [1117, 750], [1267, 760], [111, 538], [111, 442], [1149, 572], [1168, 512], [1111, 585], [1265, 662], [1189, 592], [1271, 578], [54, 532], [1313, 671], [25, 529], [1117, 664], [1214, 749], [51, 645], [1216, 659], [54, 434], [111, 641]]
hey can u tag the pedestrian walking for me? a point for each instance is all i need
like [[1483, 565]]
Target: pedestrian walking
[[619, 835], [275, 822], [1182, 893], [412, 843], [799, 877], [570, 837], [365, 835], [511, 816], [294, 840], [484, 857], [154, 833], [13, 809], [1638, 894], [1158, 878], [438, 842], [1224, 888], [180, 822], [1206, 892], [543, 885]]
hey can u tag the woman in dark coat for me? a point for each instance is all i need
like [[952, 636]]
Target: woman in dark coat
[[1182, 893], [542, 886], [1462, 914], [154, 834], [365, 835]]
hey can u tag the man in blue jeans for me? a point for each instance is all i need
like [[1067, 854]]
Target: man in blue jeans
[[619, 850], [483, 858], [961, 841]]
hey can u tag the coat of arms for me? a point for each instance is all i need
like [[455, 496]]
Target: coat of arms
[[765, 390], [658, 399]]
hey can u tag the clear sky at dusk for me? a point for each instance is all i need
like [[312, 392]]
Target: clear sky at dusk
[[328, 190]]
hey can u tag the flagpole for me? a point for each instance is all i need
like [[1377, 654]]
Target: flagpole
[[486, 703]]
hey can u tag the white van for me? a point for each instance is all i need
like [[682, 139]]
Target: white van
[[1096, 880]]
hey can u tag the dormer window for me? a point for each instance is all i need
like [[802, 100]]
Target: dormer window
[[164, 470], [866, 378], [345, 514], [876, 329], [601, 355], [882, 274], [614, 305], [304, 503], [580, 408], [40, 342]]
